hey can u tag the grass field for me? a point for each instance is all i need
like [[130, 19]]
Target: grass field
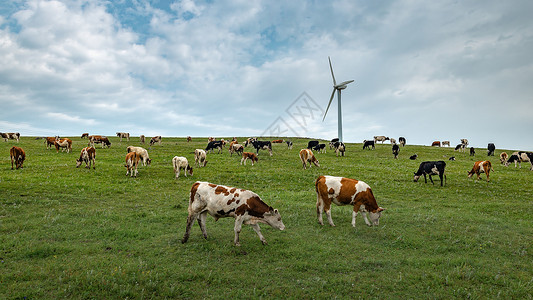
[[79, 233]]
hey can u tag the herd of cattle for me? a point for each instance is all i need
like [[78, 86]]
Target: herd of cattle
[[246, 206]]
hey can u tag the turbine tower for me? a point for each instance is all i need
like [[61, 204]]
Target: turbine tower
[[337, 87]]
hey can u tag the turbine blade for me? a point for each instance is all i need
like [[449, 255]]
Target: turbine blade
[[345, 83], [331, 68], [330, 99]]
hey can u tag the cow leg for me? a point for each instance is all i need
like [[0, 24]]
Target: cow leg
[[431, 180], [425, 179], [327, 209], [319, 209], [355, 212], [243, 160], [258, 231], [12, 160], [201, 221], [190, 219], [237, 228]]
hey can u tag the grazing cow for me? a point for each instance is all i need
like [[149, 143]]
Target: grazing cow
[[85, 135], [10, 135], [289, 145], [277, 141], [401, 140], [236, 148], [264, 145], [98, 139], [249, 141], [367, 144], [464, 142], [380, 138], [472, 151], [312, 144], [181, 163], [143, 153], [214, 145], [17, 156], [346, 191], [50, 141], [431, 168], [189, 138], [452, 158], [5, 136], [155, 139], [307, 155], [142, 139], [503, 158], [122, 135], [249, 155], [223, 201], [340, 148], [445, 143], [392, 141], [63, 143], [413, 157], [87, 155], [200, 158], [490, 149], [332, 142], [519, 157], [481, 167], [460, 147], [320, 148], [395, 150], [210, 139], [132, 161], [435, 144]]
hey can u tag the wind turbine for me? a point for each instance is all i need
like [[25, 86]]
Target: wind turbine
[[337, 87]]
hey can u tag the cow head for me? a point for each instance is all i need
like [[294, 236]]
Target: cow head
[[149, 161], [375, 215], [273, 218], [189, 170], [78, 162], [417, 176]]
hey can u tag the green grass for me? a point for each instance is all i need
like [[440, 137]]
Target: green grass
[[78, 233]]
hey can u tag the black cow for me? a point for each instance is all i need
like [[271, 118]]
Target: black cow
[[490, 149], [395, 150], [367, 144], [431, 168], [401, 140], [320, 148], [472, 151], [265, 145], [413, 157], [311, 144], [214, 145]]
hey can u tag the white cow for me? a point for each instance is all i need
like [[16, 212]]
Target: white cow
[[179, 163], [143, 153], [200, 158]]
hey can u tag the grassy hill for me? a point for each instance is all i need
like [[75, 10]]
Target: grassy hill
[[79, 233]]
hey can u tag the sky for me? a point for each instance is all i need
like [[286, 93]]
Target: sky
[[424, 70]]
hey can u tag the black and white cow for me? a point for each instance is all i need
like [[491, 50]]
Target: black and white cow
[[367, 144], [401, 140], [340, 148], [395, 150], [490, 149], [472, 151], [214, 145], [332, 142], [320, 148], [312, 144], [262, 145], [431, 168], [460, 147], [289, 145]]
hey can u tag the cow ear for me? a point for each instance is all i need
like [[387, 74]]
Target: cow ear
[[276, 211], [380, 209]]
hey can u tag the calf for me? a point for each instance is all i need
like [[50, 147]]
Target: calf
[[481, 167], [503, 157], [155, 139], [289, 145], [395, 150], [339, 148], [346, 191], [236, 148], [472, 151], [181, 163], [320, 148], [17, 156], [307, 155], [367, 144], [413, 157], [87, 155], [132, 161], [98, 139], [380, 138], [312, 144], [431, 168], [435, 144], [214, 145], [264, 145], [401, 140], [200, 158], [63, 143], [249, 155], [222, 201], [85, 135], [125, 135], [490, 149], [143, 153], [445, 143]]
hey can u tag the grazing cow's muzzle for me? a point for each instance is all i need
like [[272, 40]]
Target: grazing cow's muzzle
[[415, 179]]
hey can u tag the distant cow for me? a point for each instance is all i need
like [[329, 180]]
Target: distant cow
[[380, 138], [249, 156], [236, 148], [132, 161], [289, 145], [332, 142], [10, 135], [155, 139], [264, 145], [143, 153], [50, 141], [472, 151], [312, 144], [445, 143], [65, 143], [490, 149], [17, 156], [87, 156], [464, 142], [181, 163], [503, 157], [307, 155], [277, 141], [122, 135], [346, 191], [452, 158], [214, 145], [460, 147], [519, 157], [413, 157], [401, 140], [320, 148], [392, 141], [85, 135], [189, 138], [367, 144], [98, 139], [435, 144], [395, 150], [200, 158], [481, 167], [223, 201], [431, 168], [249, 141], [142, 139], [340, 148]]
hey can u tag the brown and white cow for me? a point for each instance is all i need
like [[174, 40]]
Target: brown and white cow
[[155, 139], [132, 161], [50, 141], [346, 191], [85, 135], [503, 157], [18, 156], [181, 163], [65, 143], [143, 153], [99, 139], [307, 155], [435, 144], [200, 157], [249, 155], [445, 143], [125, 135], [380, 138], [481, 167], [87, 155], [234, 147], [464, 142], [222, 201], [10, 135]]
